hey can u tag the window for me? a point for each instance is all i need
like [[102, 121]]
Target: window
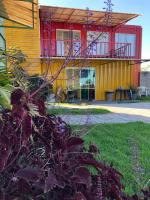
[[122, 39], [101, 47], [66, 38]]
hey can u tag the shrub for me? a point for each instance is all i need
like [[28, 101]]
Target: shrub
[[34, 82], [41, 160], [5, 88]]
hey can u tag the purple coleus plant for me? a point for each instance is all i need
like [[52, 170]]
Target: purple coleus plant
[[41, 160]]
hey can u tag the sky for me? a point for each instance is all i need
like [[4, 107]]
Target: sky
[[129, 6]]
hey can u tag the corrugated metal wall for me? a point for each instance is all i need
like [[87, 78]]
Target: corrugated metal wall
[[52, 69], [109, 74]]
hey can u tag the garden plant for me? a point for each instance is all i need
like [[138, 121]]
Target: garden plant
[[40, 158]]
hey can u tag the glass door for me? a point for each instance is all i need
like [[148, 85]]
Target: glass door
[[87, 84], [81, 83], [73, 83]]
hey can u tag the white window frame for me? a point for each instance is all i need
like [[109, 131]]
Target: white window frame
[[101, 48], [125, 39], [60, 44]]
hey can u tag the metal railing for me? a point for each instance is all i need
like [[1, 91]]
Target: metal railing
[[87, 49]]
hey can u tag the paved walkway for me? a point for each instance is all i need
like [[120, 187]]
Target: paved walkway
[[121, 113]]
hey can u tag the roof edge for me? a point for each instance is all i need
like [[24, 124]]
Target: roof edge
[[42, 6]]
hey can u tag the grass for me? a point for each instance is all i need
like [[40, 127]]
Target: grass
[[144, 99], [77, 111], [127, 146]]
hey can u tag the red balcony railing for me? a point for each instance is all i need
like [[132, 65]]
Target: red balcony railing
[[88, 49]]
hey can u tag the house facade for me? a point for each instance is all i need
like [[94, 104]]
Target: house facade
[[101, 57]]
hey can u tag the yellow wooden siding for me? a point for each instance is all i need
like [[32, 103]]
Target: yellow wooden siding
[[28, 40], [109, 75]]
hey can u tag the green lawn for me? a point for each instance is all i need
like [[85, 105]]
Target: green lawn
[[144, 99], [127, 146], [77, 111]]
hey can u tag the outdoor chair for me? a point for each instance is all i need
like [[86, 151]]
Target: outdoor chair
[[142, 91], [123, 94]]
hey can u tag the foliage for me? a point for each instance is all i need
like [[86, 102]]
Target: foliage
[[4, 97], [15, 59], [40, 159], [77, 111], [34, 82], [4, 78], [15, 75], [5, 88], [12, 76], [14, 56]]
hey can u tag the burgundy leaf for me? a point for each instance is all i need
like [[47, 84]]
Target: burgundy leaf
[[52, 164], [27, 129], [79, 196], [2, 195], [75, 141], [92, 162], [4, 155], [29, 174], [83, 176], [50, 182], [75, 144], [41, 106], [16, 96]]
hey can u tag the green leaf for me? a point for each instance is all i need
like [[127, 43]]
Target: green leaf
[[5, 97]]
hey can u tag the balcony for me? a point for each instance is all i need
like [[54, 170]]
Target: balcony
[[87, 49]]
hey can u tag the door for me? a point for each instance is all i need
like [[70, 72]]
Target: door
[[87, 84], [81, 82]]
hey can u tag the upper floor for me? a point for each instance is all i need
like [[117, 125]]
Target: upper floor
[[64, 32]]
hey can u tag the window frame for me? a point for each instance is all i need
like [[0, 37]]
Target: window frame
[[133, 42], [80, 86], [102, 47]]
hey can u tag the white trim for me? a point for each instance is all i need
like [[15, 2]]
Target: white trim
[[59, 29], [80, 58]]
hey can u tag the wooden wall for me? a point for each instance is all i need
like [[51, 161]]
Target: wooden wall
[[28, 40]]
